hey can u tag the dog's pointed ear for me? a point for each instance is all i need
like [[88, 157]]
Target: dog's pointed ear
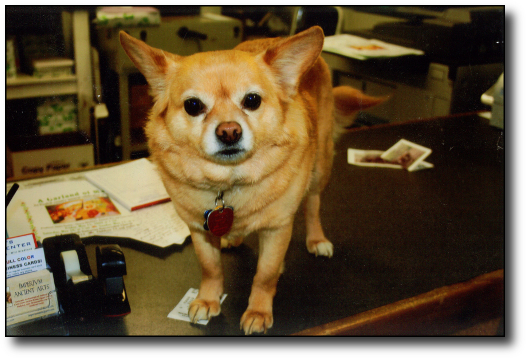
[[293, 56], [153, 63]]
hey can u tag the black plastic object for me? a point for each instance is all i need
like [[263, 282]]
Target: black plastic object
[[84, 298], [187, 34], [104, 295], [111, 267]]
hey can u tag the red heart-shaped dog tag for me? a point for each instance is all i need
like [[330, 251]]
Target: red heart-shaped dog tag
[[220, 220]]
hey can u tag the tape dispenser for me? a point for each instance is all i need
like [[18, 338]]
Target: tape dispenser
[[79, 292]]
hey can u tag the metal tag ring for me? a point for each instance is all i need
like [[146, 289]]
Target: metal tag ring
[[220, 197]]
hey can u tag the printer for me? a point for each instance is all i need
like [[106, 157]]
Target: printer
[[464, 56], [451, 35]]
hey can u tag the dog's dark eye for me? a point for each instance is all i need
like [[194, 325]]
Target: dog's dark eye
[[194, 106], [252, 101]]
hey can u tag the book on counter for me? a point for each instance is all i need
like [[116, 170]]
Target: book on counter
[[135, 185]]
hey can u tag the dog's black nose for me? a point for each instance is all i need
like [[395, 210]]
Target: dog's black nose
[[229, 132]]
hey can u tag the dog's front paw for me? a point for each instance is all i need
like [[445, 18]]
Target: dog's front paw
[[320, 247], [201, 309], [256, 322]]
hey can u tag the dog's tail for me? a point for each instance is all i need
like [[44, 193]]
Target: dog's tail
[[348, 102]]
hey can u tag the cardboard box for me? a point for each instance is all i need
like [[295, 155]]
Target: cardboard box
[[48, 154]]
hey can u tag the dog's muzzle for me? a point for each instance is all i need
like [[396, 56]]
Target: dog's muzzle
[[229, 134]]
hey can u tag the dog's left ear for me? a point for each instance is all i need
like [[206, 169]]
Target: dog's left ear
[[152, 62], [293, 56]]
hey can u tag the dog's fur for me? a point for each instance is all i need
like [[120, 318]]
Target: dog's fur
[[284, 155]]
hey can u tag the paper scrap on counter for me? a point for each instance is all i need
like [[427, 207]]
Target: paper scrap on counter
[[407, 154], [362, 49], [403, 155], [180, 312], [369, 158]]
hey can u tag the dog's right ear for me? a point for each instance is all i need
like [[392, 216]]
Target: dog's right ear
[[153, 63]]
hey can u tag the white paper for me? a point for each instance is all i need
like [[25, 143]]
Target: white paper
[[406, 153], [180, 312], [30, 296], [369, 158], [89, 211], [20, 244], [362, 49], [132, 184], [25, 262], [391, 157]]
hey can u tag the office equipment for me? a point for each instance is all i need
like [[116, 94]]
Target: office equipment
[[111, 267], [455, 35], [80, 293], [464, 55]]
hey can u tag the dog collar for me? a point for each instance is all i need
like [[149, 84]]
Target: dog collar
[[219, 220]]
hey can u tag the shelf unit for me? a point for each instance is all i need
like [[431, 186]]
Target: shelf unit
[[76, 28], [25, 86]]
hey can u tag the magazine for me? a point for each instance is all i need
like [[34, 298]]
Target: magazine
[[77, 206]]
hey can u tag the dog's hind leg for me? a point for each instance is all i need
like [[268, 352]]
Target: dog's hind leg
[[317, 243], [206, 305]]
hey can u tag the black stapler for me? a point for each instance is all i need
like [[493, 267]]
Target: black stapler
[[111, 268]]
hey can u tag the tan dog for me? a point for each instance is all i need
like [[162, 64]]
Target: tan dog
[[252, 129]]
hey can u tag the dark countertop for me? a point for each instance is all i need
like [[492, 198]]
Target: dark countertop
[[396, 234]]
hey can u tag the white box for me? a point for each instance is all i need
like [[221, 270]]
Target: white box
[[49, 154], [53, 67], [123, 16]]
